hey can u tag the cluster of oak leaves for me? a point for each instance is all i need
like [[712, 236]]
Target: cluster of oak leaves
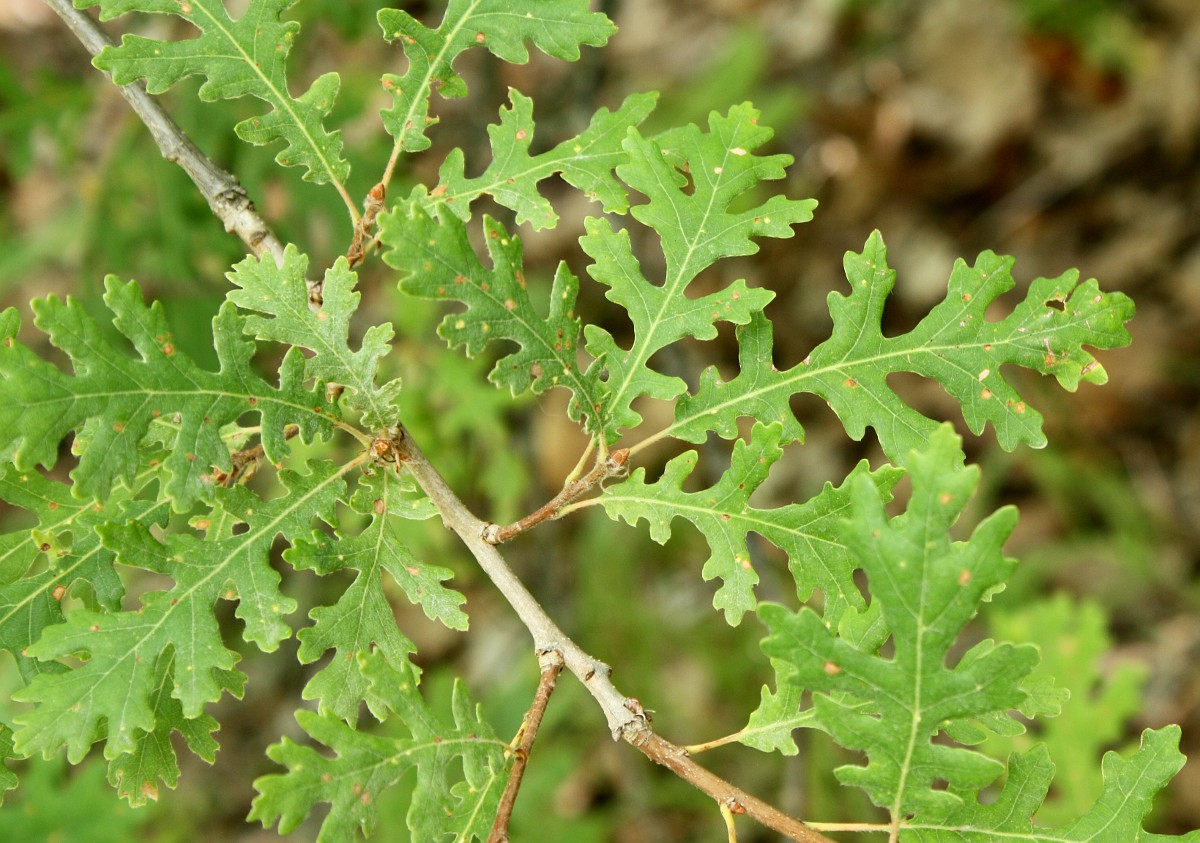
[[152, 431]]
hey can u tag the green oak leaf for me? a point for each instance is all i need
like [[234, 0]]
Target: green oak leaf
[[928, 588], [109, 696], [115, 397], [136, 774], [363, 618], [243, 57], [585, 161], [556, 27], [781, 711], [437, 747], [691, 179], [281, 295], [8, 779], [1103, 697], [67, 533], [1129, 787], [708, 409], [809, 533], [954, 344], [439, 263]]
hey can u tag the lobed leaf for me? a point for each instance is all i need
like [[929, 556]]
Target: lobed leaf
[[136, 774], [1130, 785], [67, 534], [243, 57], [511, 178], [281, 294], [691, 180], [113, 398], [556, 27], [363, 619], [365, 765], [1075, 651], [954, 344], [782, 711], [927, 588], [809, 533], [110, 695], [8, 779], [440, 264]]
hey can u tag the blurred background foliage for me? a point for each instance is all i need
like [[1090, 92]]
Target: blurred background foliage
[[1064, 132]]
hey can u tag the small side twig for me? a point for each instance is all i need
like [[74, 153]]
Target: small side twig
[[627, 718], [244, 463], [552, 665], [364, 229], [730, 798], [613, 466], [730, 828]]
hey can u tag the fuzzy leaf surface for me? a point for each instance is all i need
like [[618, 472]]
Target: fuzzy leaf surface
[[111, 695], [440, 264], [556, 27], [954, 344], [363, 619], [690, 180], [810, 533], [437, 746], [511, 178], [113, 398], [67, 533], [1130, 785], [928, 588], [243, 57], [281, 295]]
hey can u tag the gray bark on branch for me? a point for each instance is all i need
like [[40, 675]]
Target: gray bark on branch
[[225, 196]]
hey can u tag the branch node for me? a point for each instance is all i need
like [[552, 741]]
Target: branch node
[[597, 667], [639, 711]]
